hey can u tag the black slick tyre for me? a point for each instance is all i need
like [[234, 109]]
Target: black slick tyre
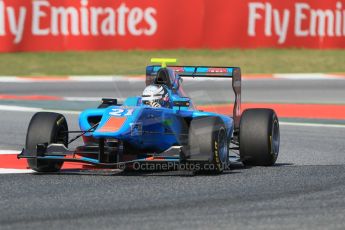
[[208, 144], [46, 128], [259, 137]]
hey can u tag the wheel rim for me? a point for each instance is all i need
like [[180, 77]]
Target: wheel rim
[[275, 138], [223, 145], [62, 136]]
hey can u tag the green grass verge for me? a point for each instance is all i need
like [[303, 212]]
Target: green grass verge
[[134, 62]]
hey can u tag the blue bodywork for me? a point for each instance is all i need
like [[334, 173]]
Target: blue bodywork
[[115, 134], [147, 129]]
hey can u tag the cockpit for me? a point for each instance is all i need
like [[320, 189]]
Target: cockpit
[[172, 81]]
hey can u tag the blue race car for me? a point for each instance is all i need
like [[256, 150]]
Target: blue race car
[[160, 127]]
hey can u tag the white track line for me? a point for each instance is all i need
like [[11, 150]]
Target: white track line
[[9, 79], [29, 109], [18, 108], [315, 76], [81, 99], [311, 124], [9, 152], [62, 111], [307, 76], [15, 171]]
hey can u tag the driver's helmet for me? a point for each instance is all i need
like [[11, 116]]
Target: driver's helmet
[[156, 96]]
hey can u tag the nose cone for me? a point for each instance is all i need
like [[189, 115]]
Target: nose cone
[[116, 122], [113, 124], [116, 127]]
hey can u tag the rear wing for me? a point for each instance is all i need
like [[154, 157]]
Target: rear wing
[[195, 71], [211, 72]]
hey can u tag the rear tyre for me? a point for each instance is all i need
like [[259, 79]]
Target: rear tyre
[[208, 144], [46, 127], [259, 137]]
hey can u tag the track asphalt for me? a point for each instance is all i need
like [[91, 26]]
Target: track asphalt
[[305, 190]]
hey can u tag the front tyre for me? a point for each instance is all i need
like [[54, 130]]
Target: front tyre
[[259, 137], [46, 127]]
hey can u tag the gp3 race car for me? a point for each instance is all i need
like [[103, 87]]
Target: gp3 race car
[[160, 127]]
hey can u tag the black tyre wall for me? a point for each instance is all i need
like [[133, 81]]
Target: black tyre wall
[[46, 127], [259, 131], [203, 143]]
